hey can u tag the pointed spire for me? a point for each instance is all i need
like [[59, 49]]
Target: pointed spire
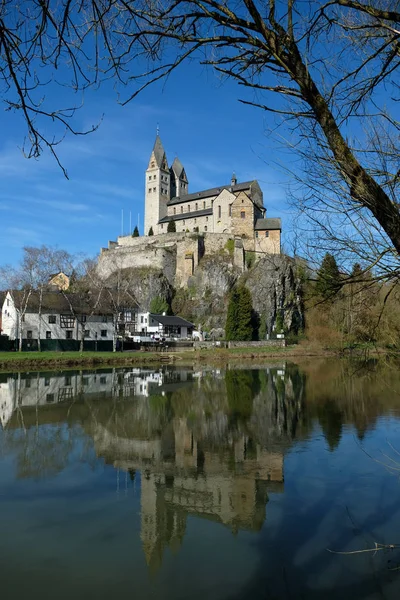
[[159, 152], [177, 167]]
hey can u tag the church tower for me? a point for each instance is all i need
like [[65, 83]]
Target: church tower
[[157, 191], [179, 182]]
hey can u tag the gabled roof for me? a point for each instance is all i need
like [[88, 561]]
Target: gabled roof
[[57, 302], [159, 151], [268, 224], [181, 216], [171, 320], [212, 192]]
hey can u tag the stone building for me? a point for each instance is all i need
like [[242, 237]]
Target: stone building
[[236, 208]]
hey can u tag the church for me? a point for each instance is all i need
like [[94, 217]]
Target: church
[[235, 208]]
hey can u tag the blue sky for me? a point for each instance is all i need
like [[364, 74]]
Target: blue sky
[[200, 121]]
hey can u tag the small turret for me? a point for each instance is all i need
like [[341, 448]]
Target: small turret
[[233, 179]]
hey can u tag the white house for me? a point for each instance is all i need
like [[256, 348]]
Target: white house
[[167, 326], [30, 315]]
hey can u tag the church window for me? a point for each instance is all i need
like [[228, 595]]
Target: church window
[[267, 234], [196, 206], [242, 214], [230, 210], [206, 218], [149, 177], [219, 212], [204, 204], [205, 227], [153, 164], [181, 209], [162, 226], [256, 234], [154, 177], [174, 211], [154, 189], [149, 190], [242, 200], [195, 220], [188, 207]]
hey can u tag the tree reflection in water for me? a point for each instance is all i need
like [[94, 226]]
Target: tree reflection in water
[[208, 443]]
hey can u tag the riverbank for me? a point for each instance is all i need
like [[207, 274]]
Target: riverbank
[[25, 361]]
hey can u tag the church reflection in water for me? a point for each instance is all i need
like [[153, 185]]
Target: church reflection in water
[[208, 443]]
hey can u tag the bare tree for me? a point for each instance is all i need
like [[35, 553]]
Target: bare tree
[[326, 69], [32, 275]]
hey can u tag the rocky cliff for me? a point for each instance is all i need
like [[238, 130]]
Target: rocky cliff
[[273, 282]]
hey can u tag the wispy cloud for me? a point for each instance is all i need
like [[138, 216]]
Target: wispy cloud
[[63, 205]]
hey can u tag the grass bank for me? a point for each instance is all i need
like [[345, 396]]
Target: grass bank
[[18, 361]]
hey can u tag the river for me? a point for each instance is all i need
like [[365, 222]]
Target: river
[[275, 482]]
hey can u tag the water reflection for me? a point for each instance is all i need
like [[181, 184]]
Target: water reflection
[[206, 443]]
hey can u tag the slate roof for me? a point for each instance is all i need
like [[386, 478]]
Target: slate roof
[[187, 215], [171, 320], [239, 187], [268, 224], [177, 167], [159, 151], [58, 302]]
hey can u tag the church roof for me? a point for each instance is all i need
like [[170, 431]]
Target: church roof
[[159, 151], [264, 224], [177, 167], [180, 216], [239, 187]]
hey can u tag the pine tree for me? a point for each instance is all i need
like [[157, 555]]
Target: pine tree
[[245, 324], [171, 226], [239, 320], [328, 278], [232, 316], [151, 232], [135, 232], [158, 305]]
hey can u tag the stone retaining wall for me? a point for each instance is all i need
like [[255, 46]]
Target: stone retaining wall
[[261, 344]]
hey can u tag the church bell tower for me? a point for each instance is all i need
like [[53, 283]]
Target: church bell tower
[[157, 190]]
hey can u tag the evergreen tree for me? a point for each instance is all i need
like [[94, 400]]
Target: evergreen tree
[[239, 319], [158, 305], [135, 232], [232, 316], [151, 232], [171, 226], [245, 324], [328, 278]]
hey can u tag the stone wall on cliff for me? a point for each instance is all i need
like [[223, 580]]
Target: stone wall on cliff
[[198, 273]]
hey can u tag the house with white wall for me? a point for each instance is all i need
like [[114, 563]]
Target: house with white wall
[[163, 326], [31, 315]]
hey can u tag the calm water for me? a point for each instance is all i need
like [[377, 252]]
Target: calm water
[[217, 484]]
